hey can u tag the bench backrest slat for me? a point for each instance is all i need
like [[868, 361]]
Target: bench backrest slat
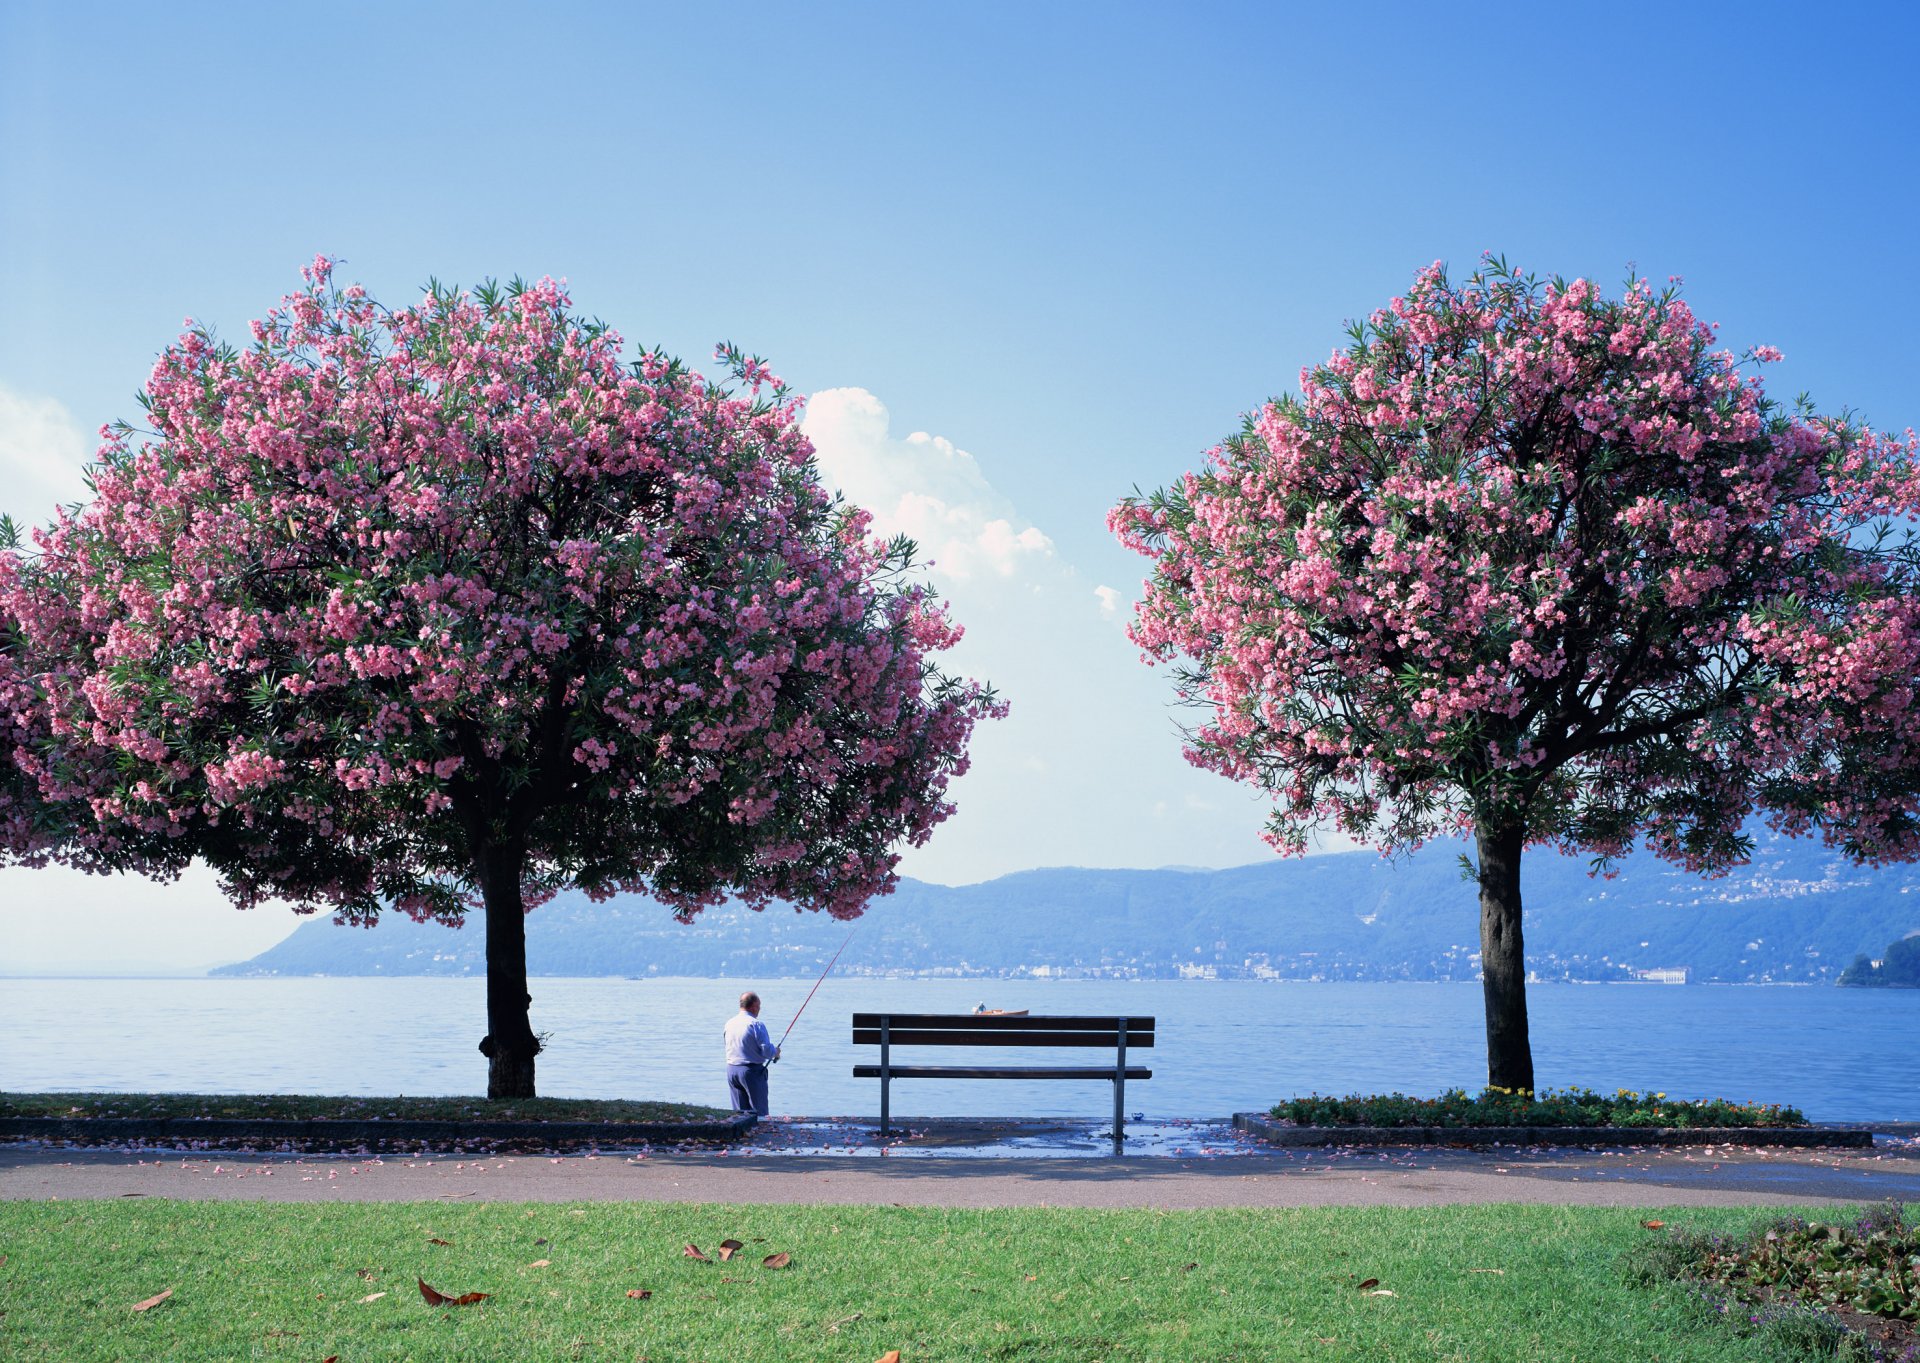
[[977, 1029], [904, 1036], [987, 1022]]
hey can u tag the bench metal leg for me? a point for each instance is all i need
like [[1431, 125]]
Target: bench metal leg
[[1120, 1089], [886, 1079]]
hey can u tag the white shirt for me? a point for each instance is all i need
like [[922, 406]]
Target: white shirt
[[748, 1042]]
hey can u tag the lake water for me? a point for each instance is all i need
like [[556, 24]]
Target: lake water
[[1222, 1045]]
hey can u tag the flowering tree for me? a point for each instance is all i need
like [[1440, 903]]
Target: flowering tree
[[1547, 567], [24, 832], [449, 606]]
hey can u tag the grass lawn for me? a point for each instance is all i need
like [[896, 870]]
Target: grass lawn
[[281, 1281], [294, 1106]]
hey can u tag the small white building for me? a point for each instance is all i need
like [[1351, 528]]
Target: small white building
[[1664, 974]]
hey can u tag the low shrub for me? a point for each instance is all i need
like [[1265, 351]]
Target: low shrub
[[1509, 1107], [1843, 1289], [1871, 1265]]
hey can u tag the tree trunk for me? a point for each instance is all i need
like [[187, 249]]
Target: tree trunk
[[1503, 959], [509, 1044]]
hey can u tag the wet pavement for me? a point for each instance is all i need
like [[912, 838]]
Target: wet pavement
[[994, 1138], [1168, 1164]]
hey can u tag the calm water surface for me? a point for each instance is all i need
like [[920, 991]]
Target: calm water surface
[[1223, 1045]]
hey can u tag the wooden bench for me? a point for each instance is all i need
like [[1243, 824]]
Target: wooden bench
[[887, 1030]]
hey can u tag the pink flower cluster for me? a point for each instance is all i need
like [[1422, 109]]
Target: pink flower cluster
[[384, 588], [1527, 555]]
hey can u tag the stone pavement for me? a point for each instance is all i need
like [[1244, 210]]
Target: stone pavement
[[1199, 1165]]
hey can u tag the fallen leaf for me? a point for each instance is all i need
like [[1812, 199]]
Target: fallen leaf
[[371, 1296], [780, 1260], [1325, 1339], [1501, 1271], [1654, 1225], [692, 1251], [540, 1263], [834, 1328], [890, 1356], [364, 1274], [729, 1248], [1370, 1282], [436, 1240], [331, 1358], [1188, 1268], [434, 1297], [541, 1242], [639, 1293], [1381, 1292], [152, 1302]]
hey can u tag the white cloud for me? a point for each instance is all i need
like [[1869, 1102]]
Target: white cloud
[[923, 487], [42, 456], [1087, 769]]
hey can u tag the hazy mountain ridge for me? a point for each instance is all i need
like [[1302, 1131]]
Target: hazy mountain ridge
[[1797, 912]]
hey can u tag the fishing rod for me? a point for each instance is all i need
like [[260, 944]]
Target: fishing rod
[[816, 988]]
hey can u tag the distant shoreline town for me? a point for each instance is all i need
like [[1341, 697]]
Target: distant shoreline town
[[1796, 914]]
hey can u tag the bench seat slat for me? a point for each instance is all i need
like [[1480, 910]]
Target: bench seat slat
[[870, 1036], [999, 1072], [988, 1022]]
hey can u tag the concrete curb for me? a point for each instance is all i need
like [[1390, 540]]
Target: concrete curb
[[323, 1134], [1281, 1133]]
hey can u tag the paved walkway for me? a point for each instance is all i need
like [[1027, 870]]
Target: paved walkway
[[1638, 1178]]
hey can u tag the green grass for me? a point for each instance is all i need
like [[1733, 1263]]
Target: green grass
[[285, 1281], [301, 1107]]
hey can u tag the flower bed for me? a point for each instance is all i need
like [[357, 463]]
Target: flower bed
[[1505, 1107]]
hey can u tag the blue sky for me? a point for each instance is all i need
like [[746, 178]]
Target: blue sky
[[1072, 242]]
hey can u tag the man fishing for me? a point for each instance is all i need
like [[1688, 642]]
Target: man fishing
[[750, 1050]]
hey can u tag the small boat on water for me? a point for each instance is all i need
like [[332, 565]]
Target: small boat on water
[[982, 1011]]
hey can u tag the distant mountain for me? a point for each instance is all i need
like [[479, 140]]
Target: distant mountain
[[1796, 913]]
